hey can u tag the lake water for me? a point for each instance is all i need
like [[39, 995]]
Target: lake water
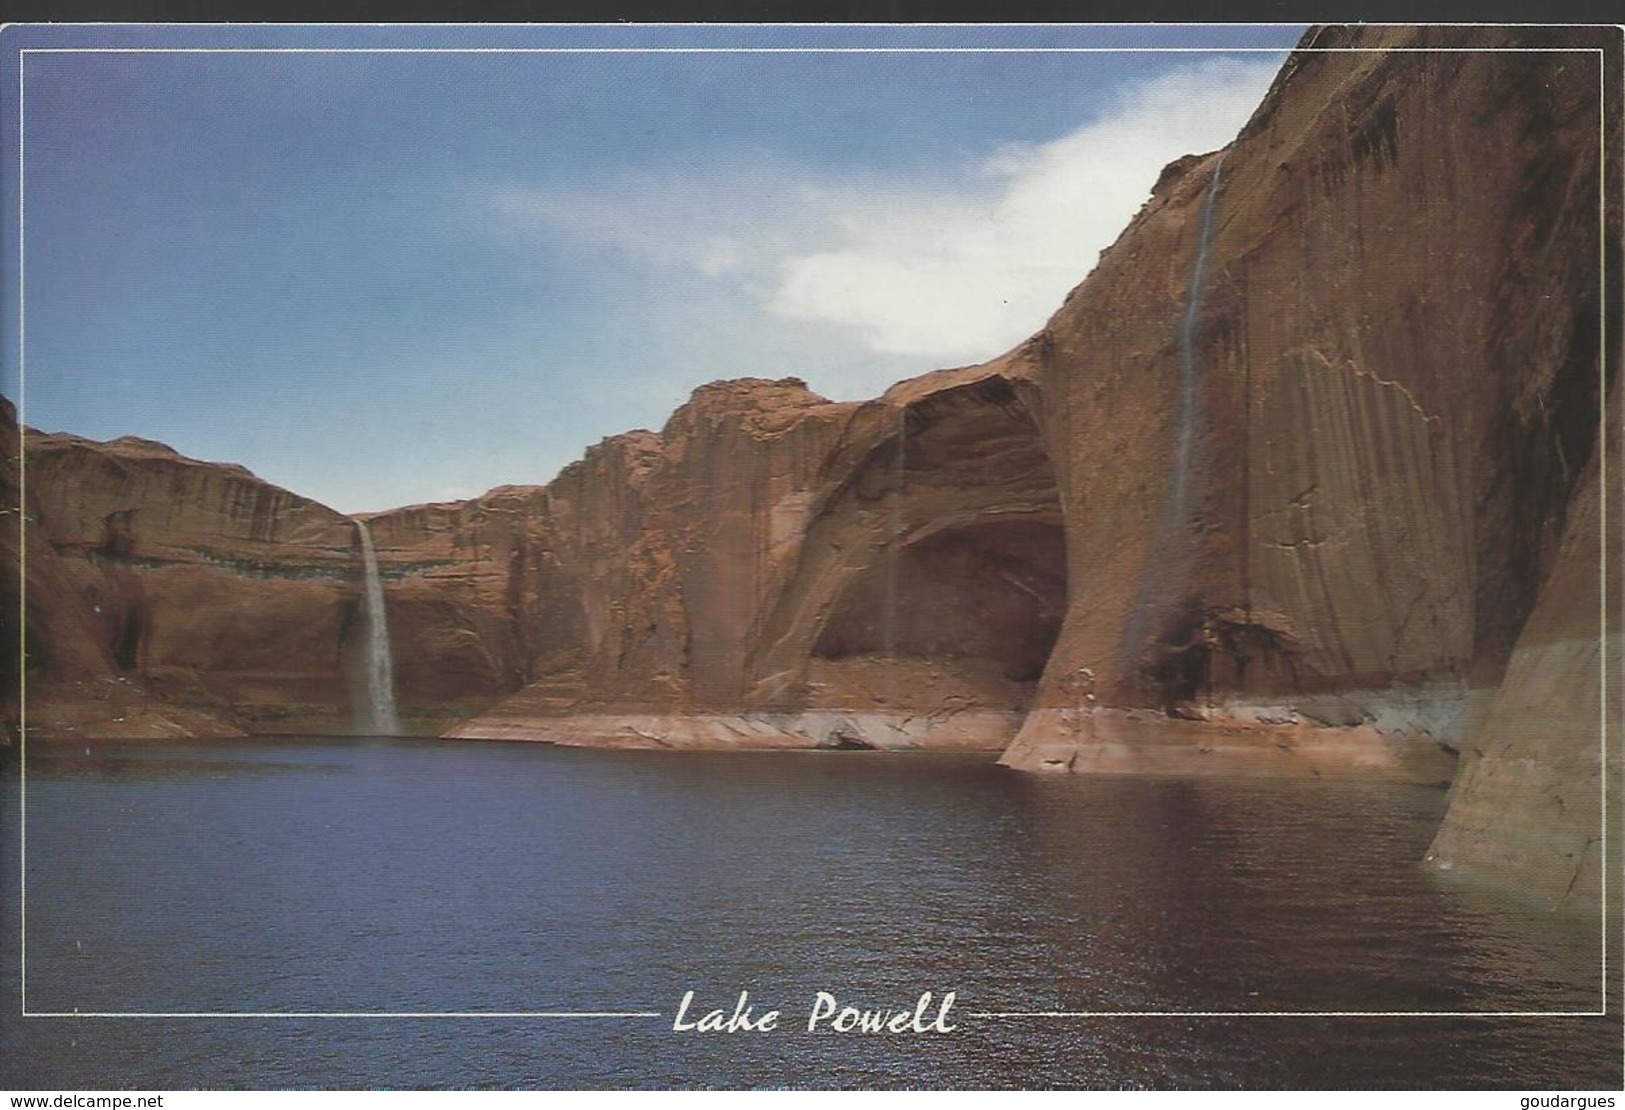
[[308, 875]]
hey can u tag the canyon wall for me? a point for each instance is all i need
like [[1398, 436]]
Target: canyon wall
[[73, 682], [1389, 390], [478, 600], [70, 656], [189, 587], [1540, 775], [193, 585], [1389, 386]]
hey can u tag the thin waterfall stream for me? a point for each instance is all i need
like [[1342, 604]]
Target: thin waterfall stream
[[382, 719], [895, 555], [1176, 504]]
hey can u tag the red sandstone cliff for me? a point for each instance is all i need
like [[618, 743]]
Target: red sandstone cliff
[[1400, 383], [476, 595], [196, 583], [1398, 387], [85, 620]]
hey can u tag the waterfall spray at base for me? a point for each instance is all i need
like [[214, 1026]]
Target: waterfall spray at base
[[1176, 505], [381, 716]]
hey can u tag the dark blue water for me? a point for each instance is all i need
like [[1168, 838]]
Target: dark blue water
[[388, 876]]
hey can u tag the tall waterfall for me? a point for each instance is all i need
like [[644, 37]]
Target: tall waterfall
[[894, 553], [1187, 351], [381, 717], [1176, 504]]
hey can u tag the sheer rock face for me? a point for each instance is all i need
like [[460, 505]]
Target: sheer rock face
[[205, 587], [62, 639], [1307, 503], [1397, 391], [1528, 806], [771, 555], [1395, 384], [719, 503], [477, 596], [634, 579]]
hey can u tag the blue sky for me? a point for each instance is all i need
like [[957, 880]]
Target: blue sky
[[378, 279]]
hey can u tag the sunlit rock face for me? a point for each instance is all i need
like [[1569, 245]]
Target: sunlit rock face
[[194, 583], [900, 563], [477, 597], [1302, 480]]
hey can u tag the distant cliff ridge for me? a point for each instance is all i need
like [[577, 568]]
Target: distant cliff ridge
[[1304, 479]]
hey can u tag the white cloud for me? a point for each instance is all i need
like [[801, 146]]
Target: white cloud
[[956, 267], [968, 280]]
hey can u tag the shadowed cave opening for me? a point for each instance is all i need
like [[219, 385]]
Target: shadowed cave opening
[[966, 614], [935, 579]]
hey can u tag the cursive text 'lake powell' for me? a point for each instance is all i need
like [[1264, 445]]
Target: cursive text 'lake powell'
[[367, 912]]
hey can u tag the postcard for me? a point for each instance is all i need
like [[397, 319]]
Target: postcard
[[675, 557]]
